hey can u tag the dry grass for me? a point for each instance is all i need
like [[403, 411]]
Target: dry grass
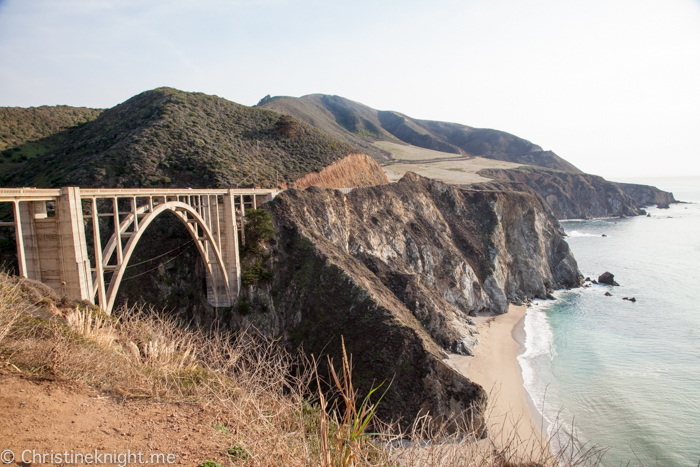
[[260, 396], [12, 307]]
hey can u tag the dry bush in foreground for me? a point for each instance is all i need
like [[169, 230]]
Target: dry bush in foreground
[[259, 396]]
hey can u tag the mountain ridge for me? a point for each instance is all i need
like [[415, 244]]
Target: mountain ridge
[[170, 138], [360, 124]]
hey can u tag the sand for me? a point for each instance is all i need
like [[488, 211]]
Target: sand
[[495, 367]]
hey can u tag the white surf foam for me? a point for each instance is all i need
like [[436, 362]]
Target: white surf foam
[[538, 377], [539, 345], [576, 233]]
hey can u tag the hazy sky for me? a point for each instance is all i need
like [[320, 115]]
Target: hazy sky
[[613, 86]]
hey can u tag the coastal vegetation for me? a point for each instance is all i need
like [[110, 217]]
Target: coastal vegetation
[[258, 230], [19, 125], [27, 133]]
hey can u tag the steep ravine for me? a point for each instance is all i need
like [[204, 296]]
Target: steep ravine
[[397, 270]]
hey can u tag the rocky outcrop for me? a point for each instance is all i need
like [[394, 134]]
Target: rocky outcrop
[[569, 195], [607, 278], [396, 270], [645, 195], [351, 171]]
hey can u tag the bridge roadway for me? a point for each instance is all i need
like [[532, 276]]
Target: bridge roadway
[[55, 229]]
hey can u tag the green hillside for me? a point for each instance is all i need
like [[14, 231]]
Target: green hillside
[[362, 126], [26, 133], [170, 138]]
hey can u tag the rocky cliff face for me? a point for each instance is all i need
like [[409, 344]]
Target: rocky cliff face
[[569, 195], [645, 195], [396, 270], [351, 171]]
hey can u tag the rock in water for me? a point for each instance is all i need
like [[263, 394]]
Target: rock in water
[[607, 278], [608, 294]]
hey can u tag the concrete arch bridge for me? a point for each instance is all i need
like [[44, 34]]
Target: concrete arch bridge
[[56, 228]]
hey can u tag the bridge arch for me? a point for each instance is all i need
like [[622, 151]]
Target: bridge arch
[[198, 229]]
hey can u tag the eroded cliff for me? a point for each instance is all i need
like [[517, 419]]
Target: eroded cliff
[[569, 195], [397, 270], [645, 195]]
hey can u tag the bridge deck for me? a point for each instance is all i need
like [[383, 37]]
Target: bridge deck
[[46, 194]]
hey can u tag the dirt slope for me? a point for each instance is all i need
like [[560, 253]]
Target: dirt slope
[[45, 415]]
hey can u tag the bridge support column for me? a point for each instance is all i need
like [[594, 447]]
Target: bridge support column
[[75, 273], [229, 243], [29, 212]]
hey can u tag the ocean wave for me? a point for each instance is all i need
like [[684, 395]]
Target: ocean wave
[[539, 345], [536, 367]]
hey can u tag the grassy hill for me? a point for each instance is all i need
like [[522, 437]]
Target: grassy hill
[[170, 138], [363, 127], [26, 133]]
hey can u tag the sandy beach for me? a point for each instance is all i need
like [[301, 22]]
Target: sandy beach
[[512, 415]]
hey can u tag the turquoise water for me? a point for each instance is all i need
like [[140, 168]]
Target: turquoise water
[[626, 375]]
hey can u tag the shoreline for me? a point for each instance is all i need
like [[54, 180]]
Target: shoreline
[[519, 335], [512, 416]]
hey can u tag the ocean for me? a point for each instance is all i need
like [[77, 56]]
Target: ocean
[[624, 376]]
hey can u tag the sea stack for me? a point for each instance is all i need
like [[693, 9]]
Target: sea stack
[[607, 278]]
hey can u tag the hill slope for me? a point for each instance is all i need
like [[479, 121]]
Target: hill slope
[[26, 133], [362, 126], [171, 138], [19, 125]]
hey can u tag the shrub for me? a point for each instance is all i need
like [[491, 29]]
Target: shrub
[[255, 272], [258, 227]]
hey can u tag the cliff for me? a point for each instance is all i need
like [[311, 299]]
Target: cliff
[[645, 195], [353, 170], [569, 195], [397, 270]]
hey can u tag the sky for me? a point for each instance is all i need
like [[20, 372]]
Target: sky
[[610, 85]]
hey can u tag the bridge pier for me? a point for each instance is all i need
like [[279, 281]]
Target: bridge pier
[[53, 250]]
